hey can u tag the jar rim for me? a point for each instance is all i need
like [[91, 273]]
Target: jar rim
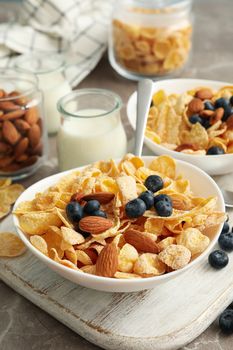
[[81, 92], [24, 63], [20, 76]]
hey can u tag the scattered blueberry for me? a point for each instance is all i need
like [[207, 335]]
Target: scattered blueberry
[[154, 183], [163, 197], [205, 122], [208, 105], [215, 150], [227, 112], [231, 100], [148, 198], [230, 306], [226, 321], [74, 211], [91, 206], [221, 102], [163, 208], [226, 241], [218, 259], [225, 228], [100, 213], [195, 118], [135, 208]]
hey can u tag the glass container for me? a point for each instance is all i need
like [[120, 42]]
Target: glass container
[[50, 72], [91, 128], [23, 138], [150, 38]]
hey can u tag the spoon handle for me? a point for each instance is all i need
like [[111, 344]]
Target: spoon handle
[[144, 94]]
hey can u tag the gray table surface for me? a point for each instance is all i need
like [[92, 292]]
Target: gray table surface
[[23, 325]]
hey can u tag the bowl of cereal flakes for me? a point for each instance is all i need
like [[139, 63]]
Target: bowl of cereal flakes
[[122, 226], [190, 120]]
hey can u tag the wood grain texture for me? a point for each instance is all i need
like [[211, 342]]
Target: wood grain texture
[[166, 317]]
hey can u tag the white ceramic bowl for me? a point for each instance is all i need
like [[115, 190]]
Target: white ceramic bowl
[[213, 165], [201, 185]]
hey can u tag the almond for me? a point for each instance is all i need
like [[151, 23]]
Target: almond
[[102, 197], [19, 99], [186, 146], [107, 261], [31, 116], [5, 148], [207, 113], [29, 161], [141, 241], [5, 161], [11, 168], [204, 94], [218, 114], [10, 133], [2, 93], [229, 122], [95, 224], [21, 125], [37, 151], [8, 106], [92, 254], [21, 147], [196, 105], [13, 115], [34, 135]]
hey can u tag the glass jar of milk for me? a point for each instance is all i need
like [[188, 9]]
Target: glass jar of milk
[[52, 82], [91, 128]]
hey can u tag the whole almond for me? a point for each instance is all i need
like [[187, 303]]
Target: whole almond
[[37, 150], [13, 115], [29, 161], [207, 113], [186, 146], [141, 241], [5, 161], [107, 262], [22, 158], [196, 105], [8, 106], [218, 114], [11, 167], [204, 94], [21, 147], [21, 125], [5, 148], [10, 132], [2, 93], [31, 116], [34, 135], [102, 197], [95, 224], [19, 98], [229, 122]]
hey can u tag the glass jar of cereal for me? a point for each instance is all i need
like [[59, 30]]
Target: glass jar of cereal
[[150, 38]]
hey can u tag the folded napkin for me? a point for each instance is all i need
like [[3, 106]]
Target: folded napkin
[[75, 28]]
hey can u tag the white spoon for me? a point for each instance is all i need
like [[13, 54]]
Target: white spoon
[[144, 95]]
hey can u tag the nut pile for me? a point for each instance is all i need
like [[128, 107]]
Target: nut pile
[[20, 132], [150, 50], [121, 221], [198, 122]]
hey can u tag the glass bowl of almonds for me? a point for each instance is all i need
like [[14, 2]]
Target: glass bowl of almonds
[[124, 225], [191, 120]]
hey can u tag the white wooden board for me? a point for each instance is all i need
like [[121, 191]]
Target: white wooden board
[[166, 317]]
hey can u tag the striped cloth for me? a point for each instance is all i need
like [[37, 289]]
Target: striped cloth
[[75, 28]]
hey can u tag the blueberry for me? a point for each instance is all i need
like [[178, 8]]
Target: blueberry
[[215, 150], [163, 208], [231, 100], [74, 211], [208, 105], [154, 183], [195, 118], [91, 206], [100, 213], [227, 113], [148, 198], [218, 259], [135, 208], [163, 197], [226, 321], [226, 241], [205, 122], [221, 102], [230, 306], [225, 228]]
